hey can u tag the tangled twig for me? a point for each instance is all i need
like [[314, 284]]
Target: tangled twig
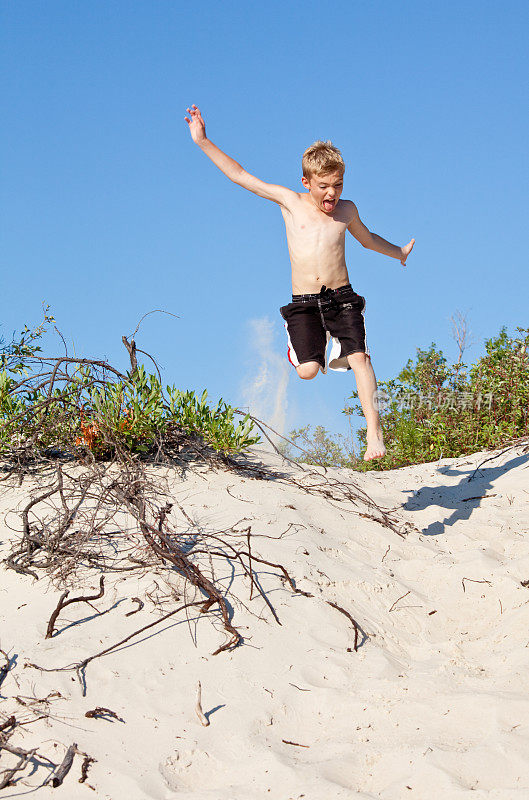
[[63, 602]]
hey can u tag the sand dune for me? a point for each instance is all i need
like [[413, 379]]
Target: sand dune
[[433, 704]]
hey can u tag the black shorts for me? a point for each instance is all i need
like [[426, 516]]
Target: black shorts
[[311, 320]]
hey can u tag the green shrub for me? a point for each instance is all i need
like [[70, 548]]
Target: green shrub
[[435, 410], [85, 410]]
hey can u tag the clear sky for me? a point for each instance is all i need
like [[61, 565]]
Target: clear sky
[[109, 210]]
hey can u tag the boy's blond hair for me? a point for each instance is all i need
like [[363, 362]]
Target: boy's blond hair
[[321, 158]]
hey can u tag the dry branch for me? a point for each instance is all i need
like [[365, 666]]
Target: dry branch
[[163, 547], [135, 610], [25, 757], [87, 760], [81, 665], [64, 767], [101, 712], [295, 744], [131, 350], [473, 580], [9, 723], [4, 669], [397, 600], [198, 708], [348, 615], [63, 602]]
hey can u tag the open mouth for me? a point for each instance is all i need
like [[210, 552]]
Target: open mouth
[[328, 205]]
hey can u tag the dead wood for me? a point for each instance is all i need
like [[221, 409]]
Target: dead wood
[[198, 708], [87, 760], [25, 757], [4, 669], [64, 767], [81, 665], [11, 564], [295, 744], [100, 713], [163, 547], [461, 333], [131, 350], [349, 617], [250, 570], [16, 751], [473, 580], [397, 600], [135, 610], [241, 499], [63, 602]]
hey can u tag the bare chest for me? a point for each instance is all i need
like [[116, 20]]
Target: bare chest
[[308, 229]]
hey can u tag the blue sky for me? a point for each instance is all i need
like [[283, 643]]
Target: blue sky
[[109, 210]]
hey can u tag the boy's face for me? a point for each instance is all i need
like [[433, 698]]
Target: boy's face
[[325, 190]]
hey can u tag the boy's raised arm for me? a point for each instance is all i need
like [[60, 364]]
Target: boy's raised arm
[[373, 241], [231, 168]]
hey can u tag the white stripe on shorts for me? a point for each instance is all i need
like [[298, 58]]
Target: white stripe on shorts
[[292, 357]]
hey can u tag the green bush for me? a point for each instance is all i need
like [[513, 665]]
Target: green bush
[[136, 415], [435, 410], [85, 410]]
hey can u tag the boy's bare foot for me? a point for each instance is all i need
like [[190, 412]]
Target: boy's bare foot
[[375, 445]]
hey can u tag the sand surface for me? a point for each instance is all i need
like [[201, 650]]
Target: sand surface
[[433, 704]]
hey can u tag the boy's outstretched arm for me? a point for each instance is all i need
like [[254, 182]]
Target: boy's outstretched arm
[[375, 242], [231, 168]]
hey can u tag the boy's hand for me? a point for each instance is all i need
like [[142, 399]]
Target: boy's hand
[[406, 250], [197, 126]]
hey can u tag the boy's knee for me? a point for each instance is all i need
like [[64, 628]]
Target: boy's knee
[[359, 360], [308, 371]]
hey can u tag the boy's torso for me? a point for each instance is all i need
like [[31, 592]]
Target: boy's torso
[[316, 243]]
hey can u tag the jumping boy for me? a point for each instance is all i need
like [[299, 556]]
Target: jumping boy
[[324, 306]]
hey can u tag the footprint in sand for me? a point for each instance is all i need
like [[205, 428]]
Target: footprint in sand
[[186, 768]]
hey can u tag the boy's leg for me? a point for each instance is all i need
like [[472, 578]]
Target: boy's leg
[[366, 385], [344, 317], [307, 338]]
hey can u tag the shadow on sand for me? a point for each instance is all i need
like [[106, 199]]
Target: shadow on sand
[[463, 497]]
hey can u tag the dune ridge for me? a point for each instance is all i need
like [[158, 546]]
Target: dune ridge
[[432, 703]]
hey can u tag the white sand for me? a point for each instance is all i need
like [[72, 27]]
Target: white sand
[[433, 705]]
